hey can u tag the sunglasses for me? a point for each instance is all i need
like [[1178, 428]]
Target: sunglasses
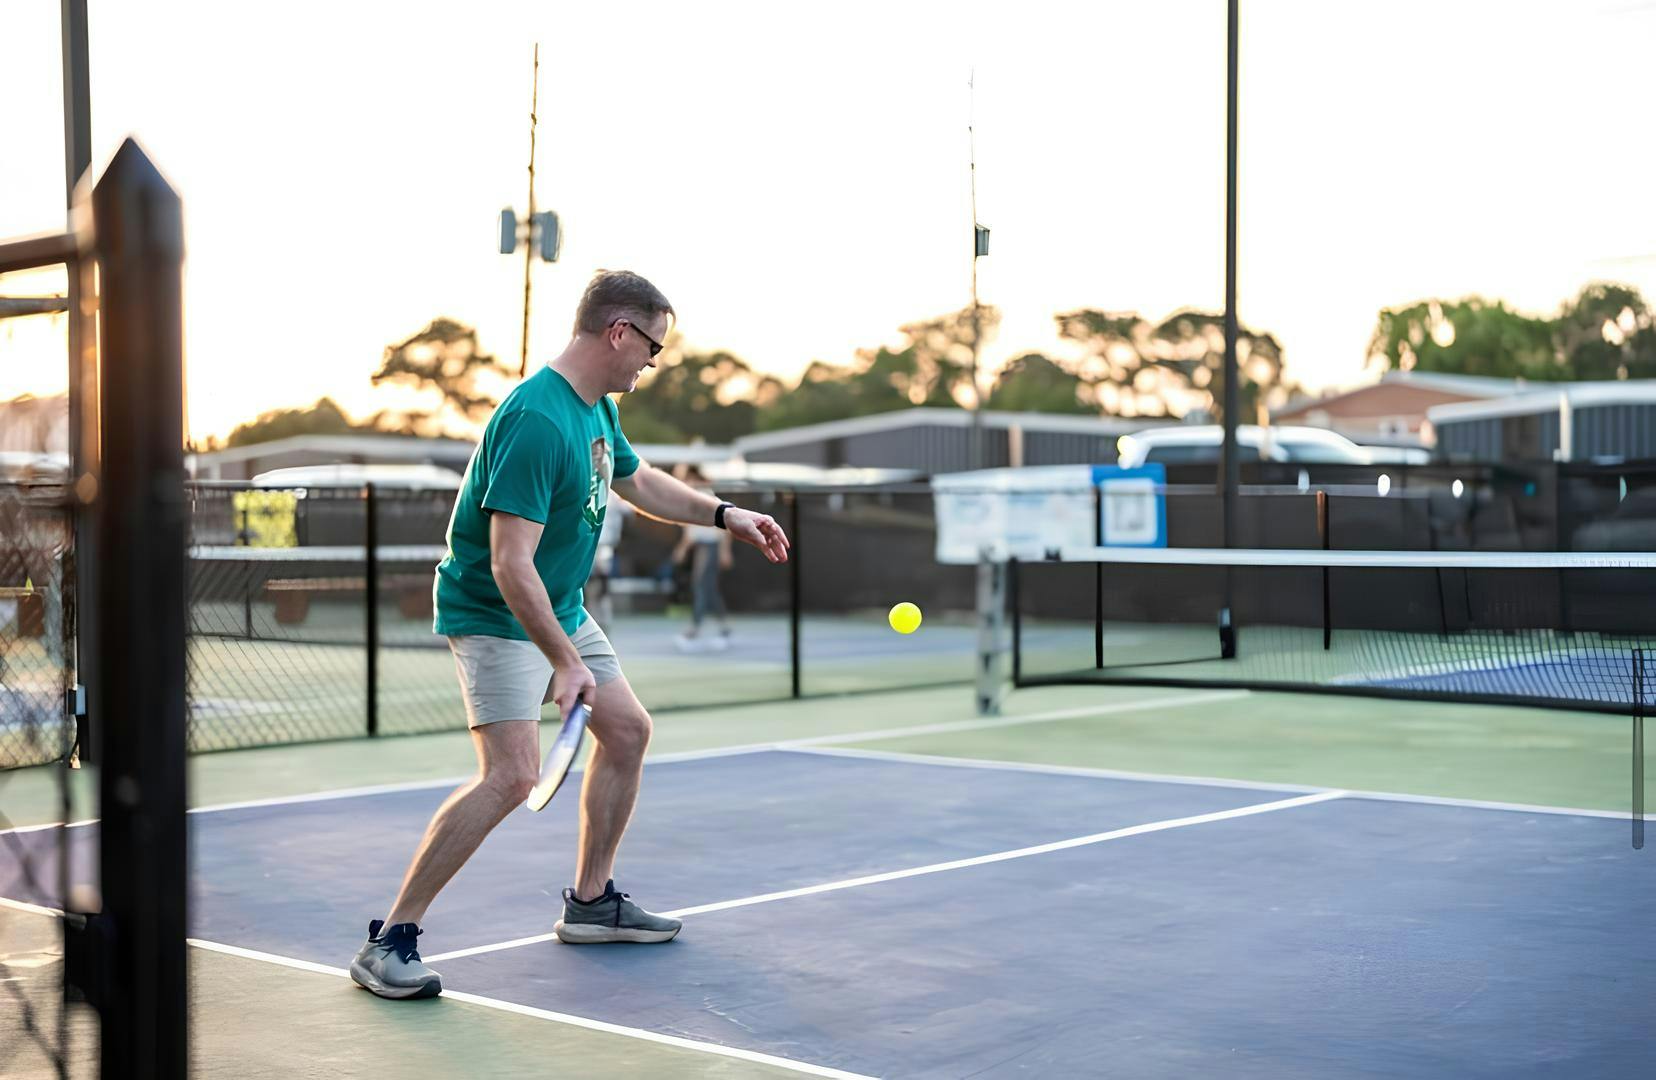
[[655, 346]]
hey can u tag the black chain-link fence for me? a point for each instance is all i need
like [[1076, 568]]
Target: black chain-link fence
[[283, 649], [38, 1031]]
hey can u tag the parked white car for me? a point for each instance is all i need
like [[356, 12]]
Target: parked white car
[[1179, 445]]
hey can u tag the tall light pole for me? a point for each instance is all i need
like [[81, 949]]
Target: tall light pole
[[539, 231], [1232, 466]]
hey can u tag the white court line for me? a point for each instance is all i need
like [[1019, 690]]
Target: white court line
[[1203, 781], [49, 825], [952, 726], [642, 1034], [904, 758], [942, 867], [714, 752], [32, 909]]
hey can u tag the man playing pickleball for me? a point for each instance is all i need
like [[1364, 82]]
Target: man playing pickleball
[[508, 597]]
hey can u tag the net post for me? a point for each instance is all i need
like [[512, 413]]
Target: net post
[[1323, 535], [1098, 616], [1098, 579], [247, 602], [370, 570], [991, 603], [1638, 747], [795, 591], [140, 518]]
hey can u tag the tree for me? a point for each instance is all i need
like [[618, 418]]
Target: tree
[[445, 357], [1137, 368], [1470, 336], [323, 418], [1035, 383], [824, 392], [714, 396], [1606, 331], [932, 369]]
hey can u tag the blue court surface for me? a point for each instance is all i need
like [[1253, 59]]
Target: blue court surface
[[1594, 676], [1314, 934]]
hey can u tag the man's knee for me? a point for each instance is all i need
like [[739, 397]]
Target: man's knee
[[510, 781], [625, 731]]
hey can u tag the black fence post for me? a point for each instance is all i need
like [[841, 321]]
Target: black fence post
[[1017, 621], [140, 535], [795, 590], [1324, 536], [370, 569]]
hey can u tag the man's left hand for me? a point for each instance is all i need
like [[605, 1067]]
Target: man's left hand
[[760, 530]]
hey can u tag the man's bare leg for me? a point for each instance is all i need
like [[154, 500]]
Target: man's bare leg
[[507, 764], [620, 732]]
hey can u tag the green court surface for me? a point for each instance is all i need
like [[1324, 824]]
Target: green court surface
[[247, 1012]]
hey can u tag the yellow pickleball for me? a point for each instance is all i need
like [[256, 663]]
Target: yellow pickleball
[[904, 618]]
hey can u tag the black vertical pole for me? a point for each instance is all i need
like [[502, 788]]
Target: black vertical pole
[[1638, 746], [1231, 478], [370, 591], [1098, 578], [140, 529], [1017, 620], [1232, 466], [1322, 532], [77, 149], [1098, 615], [795, 591]]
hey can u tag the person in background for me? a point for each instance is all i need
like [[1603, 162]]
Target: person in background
[[598, 598], [710, 555]]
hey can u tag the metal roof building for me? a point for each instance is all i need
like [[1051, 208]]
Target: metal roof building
[[933, 441], [1581, 421], [246, 462], [302, 451]]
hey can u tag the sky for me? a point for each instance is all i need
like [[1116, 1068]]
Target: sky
[[796, 178]]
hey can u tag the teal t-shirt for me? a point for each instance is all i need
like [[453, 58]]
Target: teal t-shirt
[[548, 456]]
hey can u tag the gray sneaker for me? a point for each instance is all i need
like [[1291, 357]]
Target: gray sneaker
[[389, 964], [611, 917]]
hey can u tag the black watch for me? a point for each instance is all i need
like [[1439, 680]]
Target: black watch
[[718, 515]]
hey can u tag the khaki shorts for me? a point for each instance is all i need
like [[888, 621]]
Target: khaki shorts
[[505, 679]]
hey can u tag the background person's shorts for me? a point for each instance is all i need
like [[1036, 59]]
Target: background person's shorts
[[506, 679]]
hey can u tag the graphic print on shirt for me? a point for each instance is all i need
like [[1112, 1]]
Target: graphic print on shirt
[[603, 470]]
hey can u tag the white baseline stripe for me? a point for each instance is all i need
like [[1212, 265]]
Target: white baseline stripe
[[902, 758], [32, 909], [49, 825], [1203, 781], [804, 1067], [948, 726], [938, 868], [722, 751], [952, 726]]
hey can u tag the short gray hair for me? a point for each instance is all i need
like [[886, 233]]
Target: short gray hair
[[618, 294]]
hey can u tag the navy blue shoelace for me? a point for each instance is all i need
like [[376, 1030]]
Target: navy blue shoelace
[[406, 946]]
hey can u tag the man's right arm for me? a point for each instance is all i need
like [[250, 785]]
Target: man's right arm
[[512, 543]]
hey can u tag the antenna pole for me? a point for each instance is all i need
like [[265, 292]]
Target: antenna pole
[[529, 248], [977, 331]]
